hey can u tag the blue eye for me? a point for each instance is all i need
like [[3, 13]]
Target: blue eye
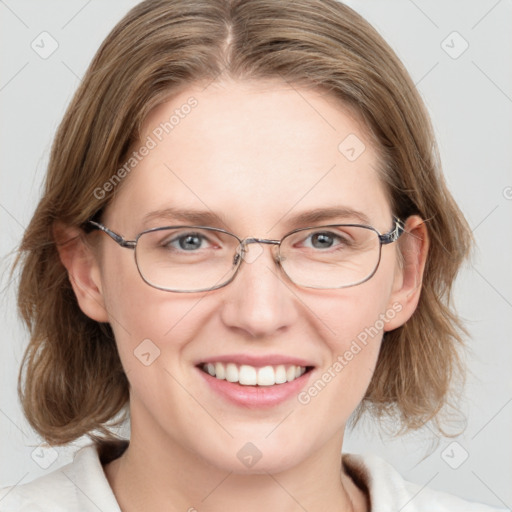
[[190, 242], [186, 242], [323, 240]]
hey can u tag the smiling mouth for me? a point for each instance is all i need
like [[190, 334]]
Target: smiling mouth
[[247, 375]]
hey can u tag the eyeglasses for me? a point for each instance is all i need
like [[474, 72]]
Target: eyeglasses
[[201, 258]]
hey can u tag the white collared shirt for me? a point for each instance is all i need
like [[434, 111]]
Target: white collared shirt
[[82, 486]]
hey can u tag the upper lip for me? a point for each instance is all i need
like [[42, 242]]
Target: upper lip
[[257, 361]]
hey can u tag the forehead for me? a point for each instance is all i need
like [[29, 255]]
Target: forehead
[[252, 152]]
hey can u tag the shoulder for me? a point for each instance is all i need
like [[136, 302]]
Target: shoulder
[[78, 486], [389, 492]]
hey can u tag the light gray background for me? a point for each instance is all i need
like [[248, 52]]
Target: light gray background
[[470, 100]]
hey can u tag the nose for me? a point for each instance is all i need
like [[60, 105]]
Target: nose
[[259, 301]]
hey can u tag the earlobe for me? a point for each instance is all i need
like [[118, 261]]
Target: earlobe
[[82, 266], [413, 247]]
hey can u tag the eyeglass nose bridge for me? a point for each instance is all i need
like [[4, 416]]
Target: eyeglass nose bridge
[[248, 241], [251, 240]]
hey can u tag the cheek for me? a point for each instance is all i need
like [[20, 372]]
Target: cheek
[[358, 313], [146, 320], [352, 323]]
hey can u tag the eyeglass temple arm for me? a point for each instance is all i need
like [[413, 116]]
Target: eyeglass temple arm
[[117, 238], [394, 234]]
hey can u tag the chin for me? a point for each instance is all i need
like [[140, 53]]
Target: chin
[[253, 455]]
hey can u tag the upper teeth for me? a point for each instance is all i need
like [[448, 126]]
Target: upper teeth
[[251, 376]]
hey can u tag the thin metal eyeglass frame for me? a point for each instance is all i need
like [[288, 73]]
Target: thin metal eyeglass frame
[[384, 239]]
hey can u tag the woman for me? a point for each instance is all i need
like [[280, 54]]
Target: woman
[[244, 241]]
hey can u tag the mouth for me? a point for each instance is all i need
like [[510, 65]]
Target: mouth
[[255, 381], [247, 375]]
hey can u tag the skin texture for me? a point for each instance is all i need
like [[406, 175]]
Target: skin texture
[[256, 154]]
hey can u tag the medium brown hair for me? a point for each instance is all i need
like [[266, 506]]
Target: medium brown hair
[[72, 382]]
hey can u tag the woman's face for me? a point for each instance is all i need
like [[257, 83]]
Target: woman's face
[[256, 157]]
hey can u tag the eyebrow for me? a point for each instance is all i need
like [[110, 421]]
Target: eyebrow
[[303, 219], [188, 216], [329, 214]]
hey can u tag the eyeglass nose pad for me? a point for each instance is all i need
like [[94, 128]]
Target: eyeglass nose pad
[[240, 251]]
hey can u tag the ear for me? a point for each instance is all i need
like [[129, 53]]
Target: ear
[[81, 262], [413, 247]]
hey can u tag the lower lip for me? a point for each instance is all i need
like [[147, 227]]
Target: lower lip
[[256, 396]]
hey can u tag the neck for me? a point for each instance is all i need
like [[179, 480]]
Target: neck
[[156, 473]]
